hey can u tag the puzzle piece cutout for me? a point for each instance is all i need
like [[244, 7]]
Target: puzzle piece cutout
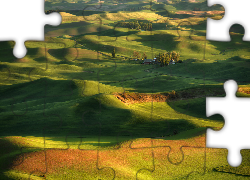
[[230, 55], [234, 157], [228, 20], [23, 18]]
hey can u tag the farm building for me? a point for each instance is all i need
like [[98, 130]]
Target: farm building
[[147, 61], [171, 61]]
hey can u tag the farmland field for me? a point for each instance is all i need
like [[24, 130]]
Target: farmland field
[[70, 110]]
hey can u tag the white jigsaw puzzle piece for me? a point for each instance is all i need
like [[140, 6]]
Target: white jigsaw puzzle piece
[[27, 24], [218, 30], [235, 133]]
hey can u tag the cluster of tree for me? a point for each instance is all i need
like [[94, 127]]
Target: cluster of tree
[[63, 1], [145, 8], [139, 8], [137, 55], [137, 25], [165, 58], [178, 1], [130, 9], [51, 11], [196, 9]]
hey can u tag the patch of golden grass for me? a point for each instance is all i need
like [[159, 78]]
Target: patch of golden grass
[[127, 16], [66, 14], [67, 17], [17, 141], [200, 12]]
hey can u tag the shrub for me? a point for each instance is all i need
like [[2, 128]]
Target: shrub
[[173, 95]]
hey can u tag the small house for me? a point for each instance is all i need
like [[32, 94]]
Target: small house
[[147, 61], [171, 61], [155, 61]]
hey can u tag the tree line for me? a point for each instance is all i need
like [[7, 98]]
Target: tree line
[[137, 25], [138, 8], [196, 9]]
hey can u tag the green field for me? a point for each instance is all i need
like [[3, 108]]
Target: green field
[[60, 103]]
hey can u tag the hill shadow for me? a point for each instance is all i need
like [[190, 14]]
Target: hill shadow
[[8, 153], [6, 51]]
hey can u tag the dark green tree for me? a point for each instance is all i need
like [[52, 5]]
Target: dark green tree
[[136, 55], [113, 53], [144, 56], [175, 56]]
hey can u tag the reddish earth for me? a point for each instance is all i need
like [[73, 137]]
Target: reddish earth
[[244, 90], [131, 98], [34, 162], [123, 157]]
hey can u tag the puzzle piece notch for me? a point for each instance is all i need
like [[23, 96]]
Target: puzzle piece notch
[[226, 138]]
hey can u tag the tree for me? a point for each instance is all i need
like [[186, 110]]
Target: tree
[[175, 56], [178, 57], [170, 55], [160, 57], [150, 26], [113, 53], [166, 58], [144, 56], [136, 55], [138, 27]]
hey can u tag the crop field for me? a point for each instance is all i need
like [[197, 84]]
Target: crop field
[[70, 110]]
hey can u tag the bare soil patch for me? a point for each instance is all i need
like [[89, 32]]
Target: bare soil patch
[[131, 98], [245, 90]]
